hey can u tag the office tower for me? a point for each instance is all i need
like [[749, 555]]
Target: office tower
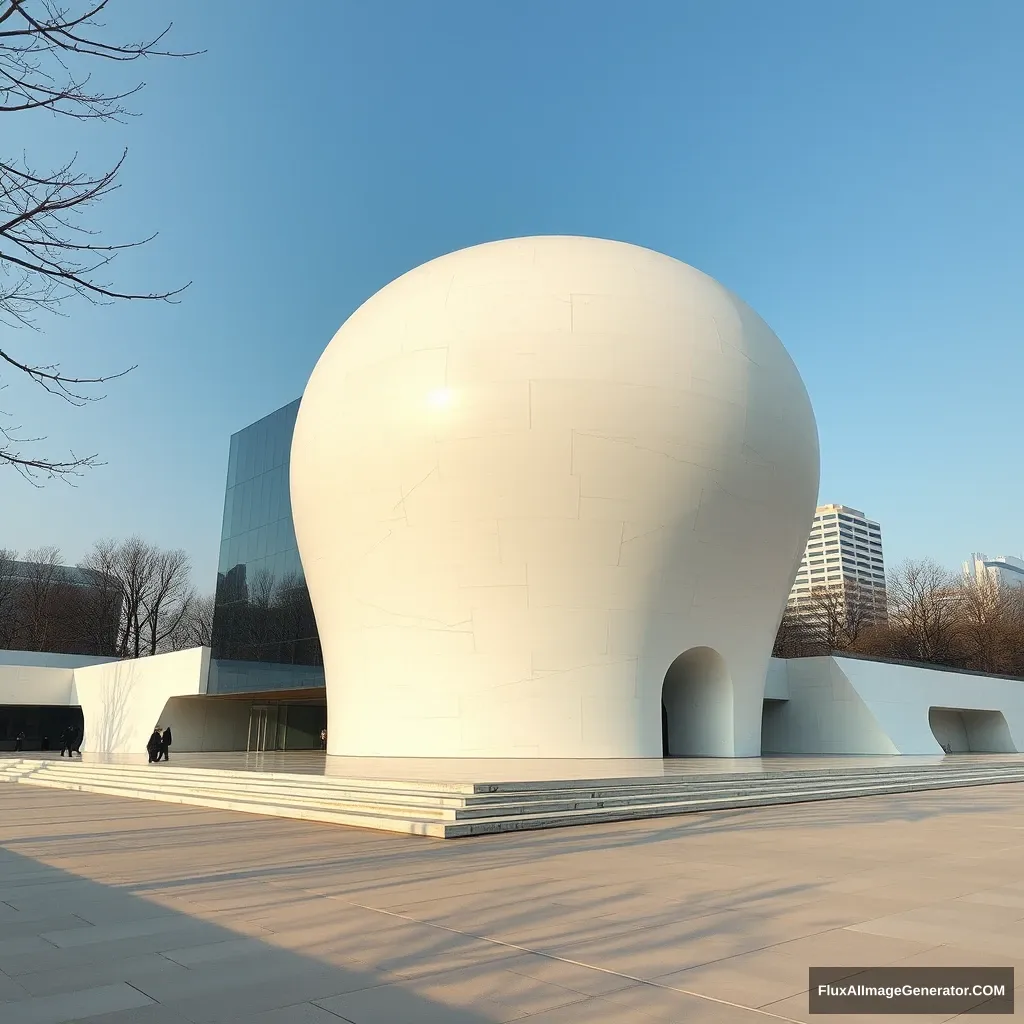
[[843, 557], [1000, 573]]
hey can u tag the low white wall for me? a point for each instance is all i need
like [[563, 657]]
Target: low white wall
[[900, 697], [824, 714], [123, 700], [849, 706], [29, 685], [36, 677]]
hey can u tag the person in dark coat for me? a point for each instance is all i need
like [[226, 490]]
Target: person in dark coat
[[66, 741], [19, 741], [165, 744], [153, 746]]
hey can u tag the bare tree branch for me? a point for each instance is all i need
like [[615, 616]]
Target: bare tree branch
[[48, 251]]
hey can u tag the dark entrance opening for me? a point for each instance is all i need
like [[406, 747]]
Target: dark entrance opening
[[42, 725]]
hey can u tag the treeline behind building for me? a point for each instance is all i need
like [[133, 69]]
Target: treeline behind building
[[126, 599], [934, 617]]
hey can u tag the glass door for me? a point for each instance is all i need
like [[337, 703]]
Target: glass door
[[263, 729]]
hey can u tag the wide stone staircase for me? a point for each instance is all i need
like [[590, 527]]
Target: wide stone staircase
[[450, 810]]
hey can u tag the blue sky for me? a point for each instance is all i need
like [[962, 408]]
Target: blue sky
[[852, 170]]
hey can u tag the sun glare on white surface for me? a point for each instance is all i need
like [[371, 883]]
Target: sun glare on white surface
[[441, 398]]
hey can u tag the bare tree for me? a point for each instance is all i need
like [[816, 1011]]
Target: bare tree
[[837, 616], [167, 598], [923, 612], [827, 620], [8, 596], [792, 639], [153, 593], [989, 626], [40, 583], [48, 252], [195, 625]]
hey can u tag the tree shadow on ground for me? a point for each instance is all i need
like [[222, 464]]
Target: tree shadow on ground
[[74, 947]]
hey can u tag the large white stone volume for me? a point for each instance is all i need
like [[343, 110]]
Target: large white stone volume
[[543, 488]]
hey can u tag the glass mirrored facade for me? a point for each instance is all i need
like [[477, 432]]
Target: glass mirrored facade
[[263, 612]]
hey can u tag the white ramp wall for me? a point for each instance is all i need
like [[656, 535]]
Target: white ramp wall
[[852, 706], [123, 700], [823, 714], [900, 697]]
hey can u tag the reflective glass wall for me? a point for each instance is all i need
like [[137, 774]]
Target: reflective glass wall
[[263, 612]]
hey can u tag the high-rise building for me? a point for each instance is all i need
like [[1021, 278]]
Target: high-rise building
[[843, 556], [1001, 572]]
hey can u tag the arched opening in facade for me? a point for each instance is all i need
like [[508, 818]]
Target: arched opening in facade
[[697, 706], [967, 731]]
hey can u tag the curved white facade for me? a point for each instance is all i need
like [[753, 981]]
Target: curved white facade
[[531, 476]]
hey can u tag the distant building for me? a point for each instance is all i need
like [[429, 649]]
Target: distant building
[[1001, 572], [843, 556], [60, 609]]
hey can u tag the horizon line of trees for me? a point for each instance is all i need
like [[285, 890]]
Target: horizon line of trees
[[933, 616], [125, 599], [132, 599]]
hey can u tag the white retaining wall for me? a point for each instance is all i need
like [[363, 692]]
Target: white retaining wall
[[849, 706], [123, 700]]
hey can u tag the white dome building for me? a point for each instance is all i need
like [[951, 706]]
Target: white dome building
[[542, 488]]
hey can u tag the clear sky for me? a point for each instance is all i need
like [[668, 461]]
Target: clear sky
[[853, 170]]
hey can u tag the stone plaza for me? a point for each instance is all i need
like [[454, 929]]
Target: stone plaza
[[118, 911]]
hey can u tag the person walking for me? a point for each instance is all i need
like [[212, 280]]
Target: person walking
[[65, 741], [19, 742], [165, 744], [323, 738], [153, 745]]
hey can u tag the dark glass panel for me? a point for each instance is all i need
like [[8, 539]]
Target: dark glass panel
[[263, 613]]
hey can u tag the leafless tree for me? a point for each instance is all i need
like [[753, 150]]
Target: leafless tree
[[195, 625], [934, 616], [153, 588], [923, 612], [828, 619], [39, 586], [838, 616], [989, 626], [167, 598], [8, 595], [49, 252], [792, 639]]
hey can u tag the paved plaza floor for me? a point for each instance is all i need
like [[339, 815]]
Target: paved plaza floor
[[130, 912]]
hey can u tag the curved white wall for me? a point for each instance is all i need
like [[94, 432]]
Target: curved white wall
[[526, 477]]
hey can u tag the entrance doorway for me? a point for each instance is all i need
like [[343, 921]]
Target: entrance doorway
[[280, 726], [697, 706], [262, 729], [41, 725]]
